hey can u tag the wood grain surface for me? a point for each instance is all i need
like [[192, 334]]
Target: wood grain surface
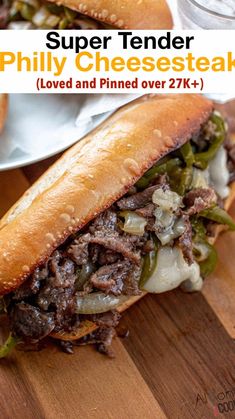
[[178, 361]]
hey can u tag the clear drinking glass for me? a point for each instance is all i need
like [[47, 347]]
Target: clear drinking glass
[[207, 14]]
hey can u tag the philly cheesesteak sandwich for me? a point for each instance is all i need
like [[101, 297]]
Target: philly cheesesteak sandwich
[[132, 208]]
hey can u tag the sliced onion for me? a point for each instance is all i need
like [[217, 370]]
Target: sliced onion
[[134, 223], [166, 199], [20, 25], [40, 17], [52, 21], [98, 302]]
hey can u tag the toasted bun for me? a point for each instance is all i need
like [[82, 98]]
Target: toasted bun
[[124, 14], [91, 176], [3, 110]]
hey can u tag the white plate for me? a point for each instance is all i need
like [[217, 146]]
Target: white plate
[[38, 126]]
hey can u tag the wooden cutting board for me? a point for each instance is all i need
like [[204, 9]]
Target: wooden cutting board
[[178, 361]]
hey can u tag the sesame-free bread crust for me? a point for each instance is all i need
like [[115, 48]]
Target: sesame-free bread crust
[[92, 175], [124, 14]]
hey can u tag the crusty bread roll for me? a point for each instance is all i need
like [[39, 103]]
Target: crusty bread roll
[[124, 14], [91, 176], [3, 110]]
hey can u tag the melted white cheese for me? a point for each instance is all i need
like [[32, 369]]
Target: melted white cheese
[[219, 174], [170, 232], [171, 271]]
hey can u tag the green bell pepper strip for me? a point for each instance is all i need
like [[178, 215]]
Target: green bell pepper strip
[[208, 265], [63, 23], [218, 215], [7, 347], [149, 264], [187, 154], [186, 178], [202, 159], [55, 9], [165, 165], [198, 227], [70, 14], [27, 12]]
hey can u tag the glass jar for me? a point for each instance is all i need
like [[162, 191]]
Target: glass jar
[[210, 14]]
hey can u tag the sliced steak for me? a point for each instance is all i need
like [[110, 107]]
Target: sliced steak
[[107, 256], [131, 281], [53, 298], [137, 200], [31, 323], [108, 319], [230, 147], [109, 278], [78, 250], [117, 243], [66, 346], [32, 285], [101, 338], [63, 270], [198, 200], [57, 293], [147, 211], [107, 220], [185, 241]]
